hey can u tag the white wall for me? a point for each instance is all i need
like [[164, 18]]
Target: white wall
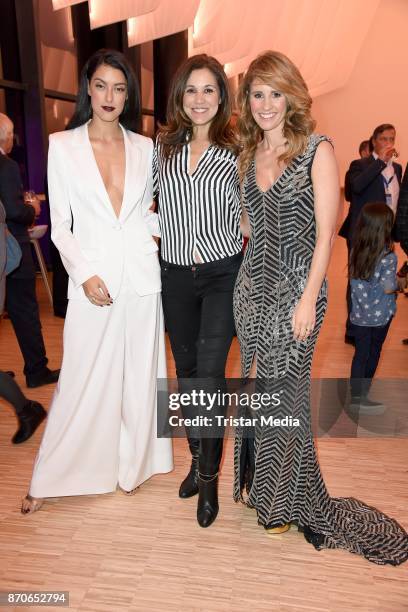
[[377, 91]]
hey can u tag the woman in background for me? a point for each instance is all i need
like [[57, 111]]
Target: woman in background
[[101, 430], [197, 185], [291, 195]]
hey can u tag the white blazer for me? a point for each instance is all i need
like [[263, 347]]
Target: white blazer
[[99, 242]]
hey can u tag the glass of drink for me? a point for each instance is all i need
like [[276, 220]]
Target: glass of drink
[[29, 196]]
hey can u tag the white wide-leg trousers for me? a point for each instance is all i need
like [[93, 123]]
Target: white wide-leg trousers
[[101, 428]]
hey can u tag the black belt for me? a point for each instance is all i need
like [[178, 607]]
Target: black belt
[[203, 266]]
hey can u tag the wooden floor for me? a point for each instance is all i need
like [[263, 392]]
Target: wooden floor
[[147, 553]]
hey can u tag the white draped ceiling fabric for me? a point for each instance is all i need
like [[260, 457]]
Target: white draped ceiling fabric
[[169, 17], [322, 37]]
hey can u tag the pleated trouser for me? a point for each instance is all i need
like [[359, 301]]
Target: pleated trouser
[[101, 428]]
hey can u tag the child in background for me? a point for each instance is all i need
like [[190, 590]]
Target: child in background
[[373, 280]]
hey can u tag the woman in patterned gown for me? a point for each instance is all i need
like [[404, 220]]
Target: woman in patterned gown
[[290, 203]]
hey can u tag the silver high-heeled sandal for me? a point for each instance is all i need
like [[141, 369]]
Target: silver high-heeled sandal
[[31, 504]]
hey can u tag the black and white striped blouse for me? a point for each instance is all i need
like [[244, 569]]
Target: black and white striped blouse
[[199, 213]]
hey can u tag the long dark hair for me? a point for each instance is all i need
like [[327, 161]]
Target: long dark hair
[[179, 128], [372, 238], [131, 111]]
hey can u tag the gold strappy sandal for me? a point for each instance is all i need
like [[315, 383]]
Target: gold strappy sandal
[[278, 530]]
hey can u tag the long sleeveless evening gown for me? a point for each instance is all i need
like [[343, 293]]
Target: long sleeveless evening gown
[[277, 472]]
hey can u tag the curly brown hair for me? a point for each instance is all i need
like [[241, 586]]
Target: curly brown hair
[[276, 70], [179, 128]]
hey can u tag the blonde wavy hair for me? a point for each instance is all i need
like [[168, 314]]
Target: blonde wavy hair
[[277, 71]]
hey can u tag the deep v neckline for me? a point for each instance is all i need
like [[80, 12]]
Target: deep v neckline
[[101, 177], [200, 159], [264, 191]]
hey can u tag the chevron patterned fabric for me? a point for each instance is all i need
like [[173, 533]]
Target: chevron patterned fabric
[[276, 470]]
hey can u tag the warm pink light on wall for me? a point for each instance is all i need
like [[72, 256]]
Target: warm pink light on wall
[[56, 27]]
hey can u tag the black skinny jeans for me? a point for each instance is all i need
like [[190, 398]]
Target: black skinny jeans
[[368, 345], [12, 393], [197, 304]]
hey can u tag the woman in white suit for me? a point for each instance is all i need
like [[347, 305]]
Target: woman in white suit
[[101, 431]]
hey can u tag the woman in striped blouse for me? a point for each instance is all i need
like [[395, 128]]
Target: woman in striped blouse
[[197, 185]]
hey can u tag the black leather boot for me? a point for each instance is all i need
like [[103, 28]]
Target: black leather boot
[[189, 486], [45, 377], [209, 465], [207, 507]]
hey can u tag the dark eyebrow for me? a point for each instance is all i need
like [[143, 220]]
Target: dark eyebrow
[[207, 85], [99, 79]]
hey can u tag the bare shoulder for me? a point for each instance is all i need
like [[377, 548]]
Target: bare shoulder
[[325, 148], [324, 166], [324, 156]]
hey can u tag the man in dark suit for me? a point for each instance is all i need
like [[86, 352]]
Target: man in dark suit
[[375, 178], [29, 413], [21, 301], [364, 150], [401, 221]]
